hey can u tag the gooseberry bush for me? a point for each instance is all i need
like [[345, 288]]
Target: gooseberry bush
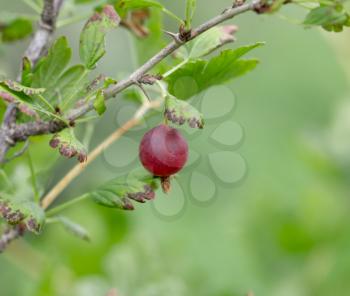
[[51, 97]]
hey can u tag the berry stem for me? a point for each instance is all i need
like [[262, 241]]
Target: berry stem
[[66, 205]]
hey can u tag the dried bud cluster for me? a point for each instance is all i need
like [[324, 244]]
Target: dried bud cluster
[[32, 225], [150, 79], [68, 150], [127, 205], [143, 196], [12, 216], [193, 122]]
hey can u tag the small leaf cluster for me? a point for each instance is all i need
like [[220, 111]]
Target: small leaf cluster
[[331, 15]]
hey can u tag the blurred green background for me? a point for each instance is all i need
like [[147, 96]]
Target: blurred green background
[[281, 230]]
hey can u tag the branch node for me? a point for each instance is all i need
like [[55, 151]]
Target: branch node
[[150, 79], [184, 34]]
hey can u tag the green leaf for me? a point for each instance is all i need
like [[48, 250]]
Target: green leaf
[[68, 86], [74, 228], [68, 145], [211, 40], [199, 75], [179, 112], [26, 212], [332, 17], [50, 67], [92, 38], [99, 103], [117, 193], [16, 30]]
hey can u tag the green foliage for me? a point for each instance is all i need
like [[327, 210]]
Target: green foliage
[[299, 221], [23, 211], [16, 29], [50, 67], [204, 74], [179, 112], [118, 192], [332, 16], [92, 38], [68, 87], [63, 86]]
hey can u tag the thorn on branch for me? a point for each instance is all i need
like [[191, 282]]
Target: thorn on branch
[[174, 36]]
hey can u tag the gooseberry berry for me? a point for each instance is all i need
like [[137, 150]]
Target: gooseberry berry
[[163, 151]]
